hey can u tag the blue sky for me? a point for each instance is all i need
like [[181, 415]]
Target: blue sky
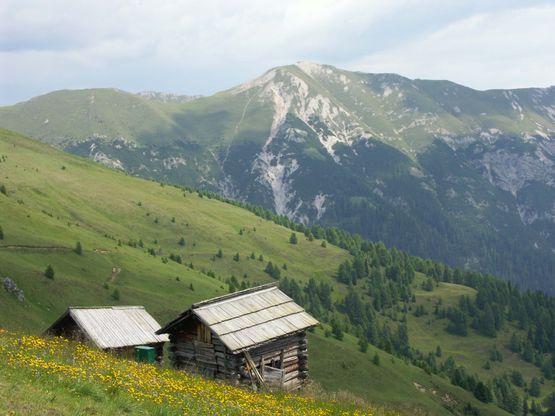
[[200, 47]]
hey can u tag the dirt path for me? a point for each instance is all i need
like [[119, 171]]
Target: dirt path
[[34, 248]]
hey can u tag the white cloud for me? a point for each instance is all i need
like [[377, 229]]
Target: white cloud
[[193, 46], [510, 49]]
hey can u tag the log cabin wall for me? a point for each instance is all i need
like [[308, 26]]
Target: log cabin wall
[[288, 354], [256, 336], [214, 359]]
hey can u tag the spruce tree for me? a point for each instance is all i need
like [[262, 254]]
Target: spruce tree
[[78, 248], [438, 351], [1, 233], [336, 330], [363, 344], [49, 272], [293, 238], [535, 387]]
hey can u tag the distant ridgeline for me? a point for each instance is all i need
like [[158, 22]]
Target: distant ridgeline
[[388, 275]]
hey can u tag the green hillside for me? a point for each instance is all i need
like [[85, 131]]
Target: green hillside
[[437, 169], [62, 117], [164, 247]]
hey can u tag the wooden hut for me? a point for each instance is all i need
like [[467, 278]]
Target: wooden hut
[[255, 336], [115, 328]]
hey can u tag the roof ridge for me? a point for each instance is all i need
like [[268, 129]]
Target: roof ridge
[[234, 295]]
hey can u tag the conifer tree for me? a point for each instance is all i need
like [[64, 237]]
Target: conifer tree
[[293, 238], [49, 272], [363, 344]]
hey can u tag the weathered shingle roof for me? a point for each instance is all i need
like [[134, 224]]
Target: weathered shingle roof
[[245, 319], [115, 326]]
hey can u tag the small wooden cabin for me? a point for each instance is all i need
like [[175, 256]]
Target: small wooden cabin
[[115, 328], [255, 336]]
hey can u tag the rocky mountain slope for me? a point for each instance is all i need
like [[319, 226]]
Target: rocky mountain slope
[[433, 167]]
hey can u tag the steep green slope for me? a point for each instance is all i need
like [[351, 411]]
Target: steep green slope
[[67, 116], [432, 167], [53, 200]]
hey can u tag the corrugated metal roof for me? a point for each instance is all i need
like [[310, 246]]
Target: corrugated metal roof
[[117, 326], [251, 317]]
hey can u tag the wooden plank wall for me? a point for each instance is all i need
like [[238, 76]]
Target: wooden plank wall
[[214, 359]]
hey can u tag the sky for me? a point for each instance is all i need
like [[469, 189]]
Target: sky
[[201, 47]]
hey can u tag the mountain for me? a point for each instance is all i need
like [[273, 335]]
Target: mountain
[[130, 232], [167, 97], [443, 171]]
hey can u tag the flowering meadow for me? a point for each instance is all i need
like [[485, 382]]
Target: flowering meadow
[[176, 391]]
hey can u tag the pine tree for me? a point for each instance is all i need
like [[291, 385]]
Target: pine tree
[[428, 285], [1, 233], [115, 295], [236, 257], [363, 344], [49, 272], [486, 323], [517, 379], [220, 253], [181, 242], [535, 387], [293, 238], [78, 249], [376, 359], [438, 351], [483, 393], [515, 344], [336, 330], [3, 189], [528, 352], [549, 404]]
